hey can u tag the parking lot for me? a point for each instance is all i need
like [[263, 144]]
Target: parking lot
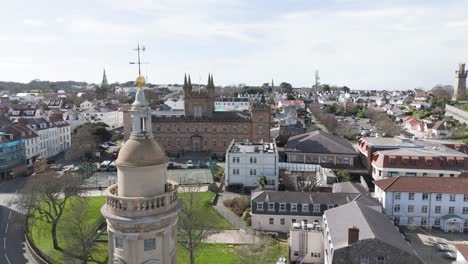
[[424, 242]]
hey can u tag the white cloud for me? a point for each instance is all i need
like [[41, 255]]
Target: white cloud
[[34, 22]]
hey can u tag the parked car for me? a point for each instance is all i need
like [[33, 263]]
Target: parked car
[[442, 247], [189, 164], [170, 165], [112, 167], [450, 255], [104, 166], [110, 143]]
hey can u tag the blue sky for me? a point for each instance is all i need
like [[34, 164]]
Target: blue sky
[[364, 44]]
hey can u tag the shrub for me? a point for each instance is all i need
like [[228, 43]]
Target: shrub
[[239, 204], [228, 203]]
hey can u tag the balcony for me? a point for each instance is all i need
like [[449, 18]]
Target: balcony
[[141, 206]]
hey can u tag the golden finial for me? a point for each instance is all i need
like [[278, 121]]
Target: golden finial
[[140, 82]]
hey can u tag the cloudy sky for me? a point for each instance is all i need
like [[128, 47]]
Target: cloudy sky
[[364, 44]]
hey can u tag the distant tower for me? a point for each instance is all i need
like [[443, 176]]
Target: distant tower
[[459, 91], [141, 209], [104, 80]]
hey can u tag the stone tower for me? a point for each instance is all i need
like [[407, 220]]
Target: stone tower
[[141, 209], [459, 90], [199, 103]]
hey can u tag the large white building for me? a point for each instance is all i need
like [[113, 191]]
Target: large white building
[[54, 137], [246, 162], [425, 201], [141, 209], [111, 117]]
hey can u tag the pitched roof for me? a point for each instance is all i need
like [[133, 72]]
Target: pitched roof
[[371, 223], [440, 125], [423, 184], [305, 197], [319, 142]]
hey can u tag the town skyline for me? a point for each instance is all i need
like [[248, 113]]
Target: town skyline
[[397, 45]]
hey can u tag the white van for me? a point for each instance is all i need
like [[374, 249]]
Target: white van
[[104, 166]]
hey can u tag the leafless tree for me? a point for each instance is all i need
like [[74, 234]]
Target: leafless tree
[[258, 251], [84, 145], [383, 123], [306, 182], [75, 229], [193, 222], [45, 196]]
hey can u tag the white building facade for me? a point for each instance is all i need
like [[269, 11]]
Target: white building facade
[[440, 203], [247, 162], [54, 137]]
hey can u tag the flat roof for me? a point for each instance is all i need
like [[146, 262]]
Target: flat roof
[[247, 147]]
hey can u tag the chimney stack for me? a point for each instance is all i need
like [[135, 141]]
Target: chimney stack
[[353, 234]]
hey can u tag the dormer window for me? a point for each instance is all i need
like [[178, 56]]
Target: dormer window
[[294, 207], [271, 206]]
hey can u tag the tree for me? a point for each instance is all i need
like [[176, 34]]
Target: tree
[[257, 251], [262, 181], [86, 140], [286, 87], [79, 233], [445, 91], [44, 198], [383, 123], [290, 97], [343, 175], [192, 222], [306, 182]]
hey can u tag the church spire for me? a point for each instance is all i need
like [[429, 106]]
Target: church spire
[[189, 81], [104, 79], [185, 80]]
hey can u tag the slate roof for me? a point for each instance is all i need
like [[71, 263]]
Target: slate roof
[[348, 187], [424, 184], [371, 223], [319, 142], [305, 197]]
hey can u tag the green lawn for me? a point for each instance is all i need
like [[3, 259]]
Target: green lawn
[[41, 236], [218, 221]]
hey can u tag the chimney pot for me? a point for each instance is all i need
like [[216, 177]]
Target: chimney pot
[[353, 234]]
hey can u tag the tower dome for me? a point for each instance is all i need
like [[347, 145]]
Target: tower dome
[[141, 165]]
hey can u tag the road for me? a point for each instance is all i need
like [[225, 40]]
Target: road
[[12, 227]]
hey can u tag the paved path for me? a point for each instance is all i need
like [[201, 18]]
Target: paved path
[[228, 214], [12, 225], [233, 236]]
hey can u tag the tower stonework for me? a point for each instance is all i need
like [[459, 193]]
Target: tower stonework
[[459, 91], [141, 209]]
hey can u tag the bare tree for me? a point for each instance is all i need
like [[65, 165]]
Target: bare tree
[[45, 196], [306, 182], [193, 222], [258, 251], [75, 229], [383, 123]]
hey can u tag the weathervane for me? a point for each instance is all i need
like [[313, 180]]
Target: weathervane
[[139, 62]]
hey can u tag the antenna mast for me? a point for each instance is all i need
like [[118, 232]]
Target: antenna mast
[[139, 62]]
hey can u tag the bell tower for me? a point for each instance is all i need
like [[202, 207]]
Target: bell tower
[[141, 209], [459, 90]]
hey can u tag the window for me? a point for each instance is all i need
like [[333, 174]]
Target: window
[[396, 208], [439, 197], [452, 197], [451, 210], [425, 196], [465, 210], [437, 222], [410, 208], [465, 197], [396, 220], [330, 206], [411, 174], [271, 206], [364, 259], [397, 196], [282, 221], [118, 243], [424, 174], [423, 221], [282, 207], [465, 224], [380, 260], [305, 208], [316, 208], [260, 206], [293, 221], [294, 207], [271, 221], [437, 209], [150, 244], [392, 173], [410, 196], [296, 253], [410, 220], [424, 209]]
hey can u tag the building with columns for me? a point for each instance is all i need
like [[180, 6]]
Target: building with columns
[[141, 209], [202, 129]]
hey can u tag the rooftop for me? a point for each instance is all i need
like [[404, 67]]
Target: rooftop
[[319, 142], [390, 142], [424, 152], [424, 184], [371, 223], [247, 147]]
